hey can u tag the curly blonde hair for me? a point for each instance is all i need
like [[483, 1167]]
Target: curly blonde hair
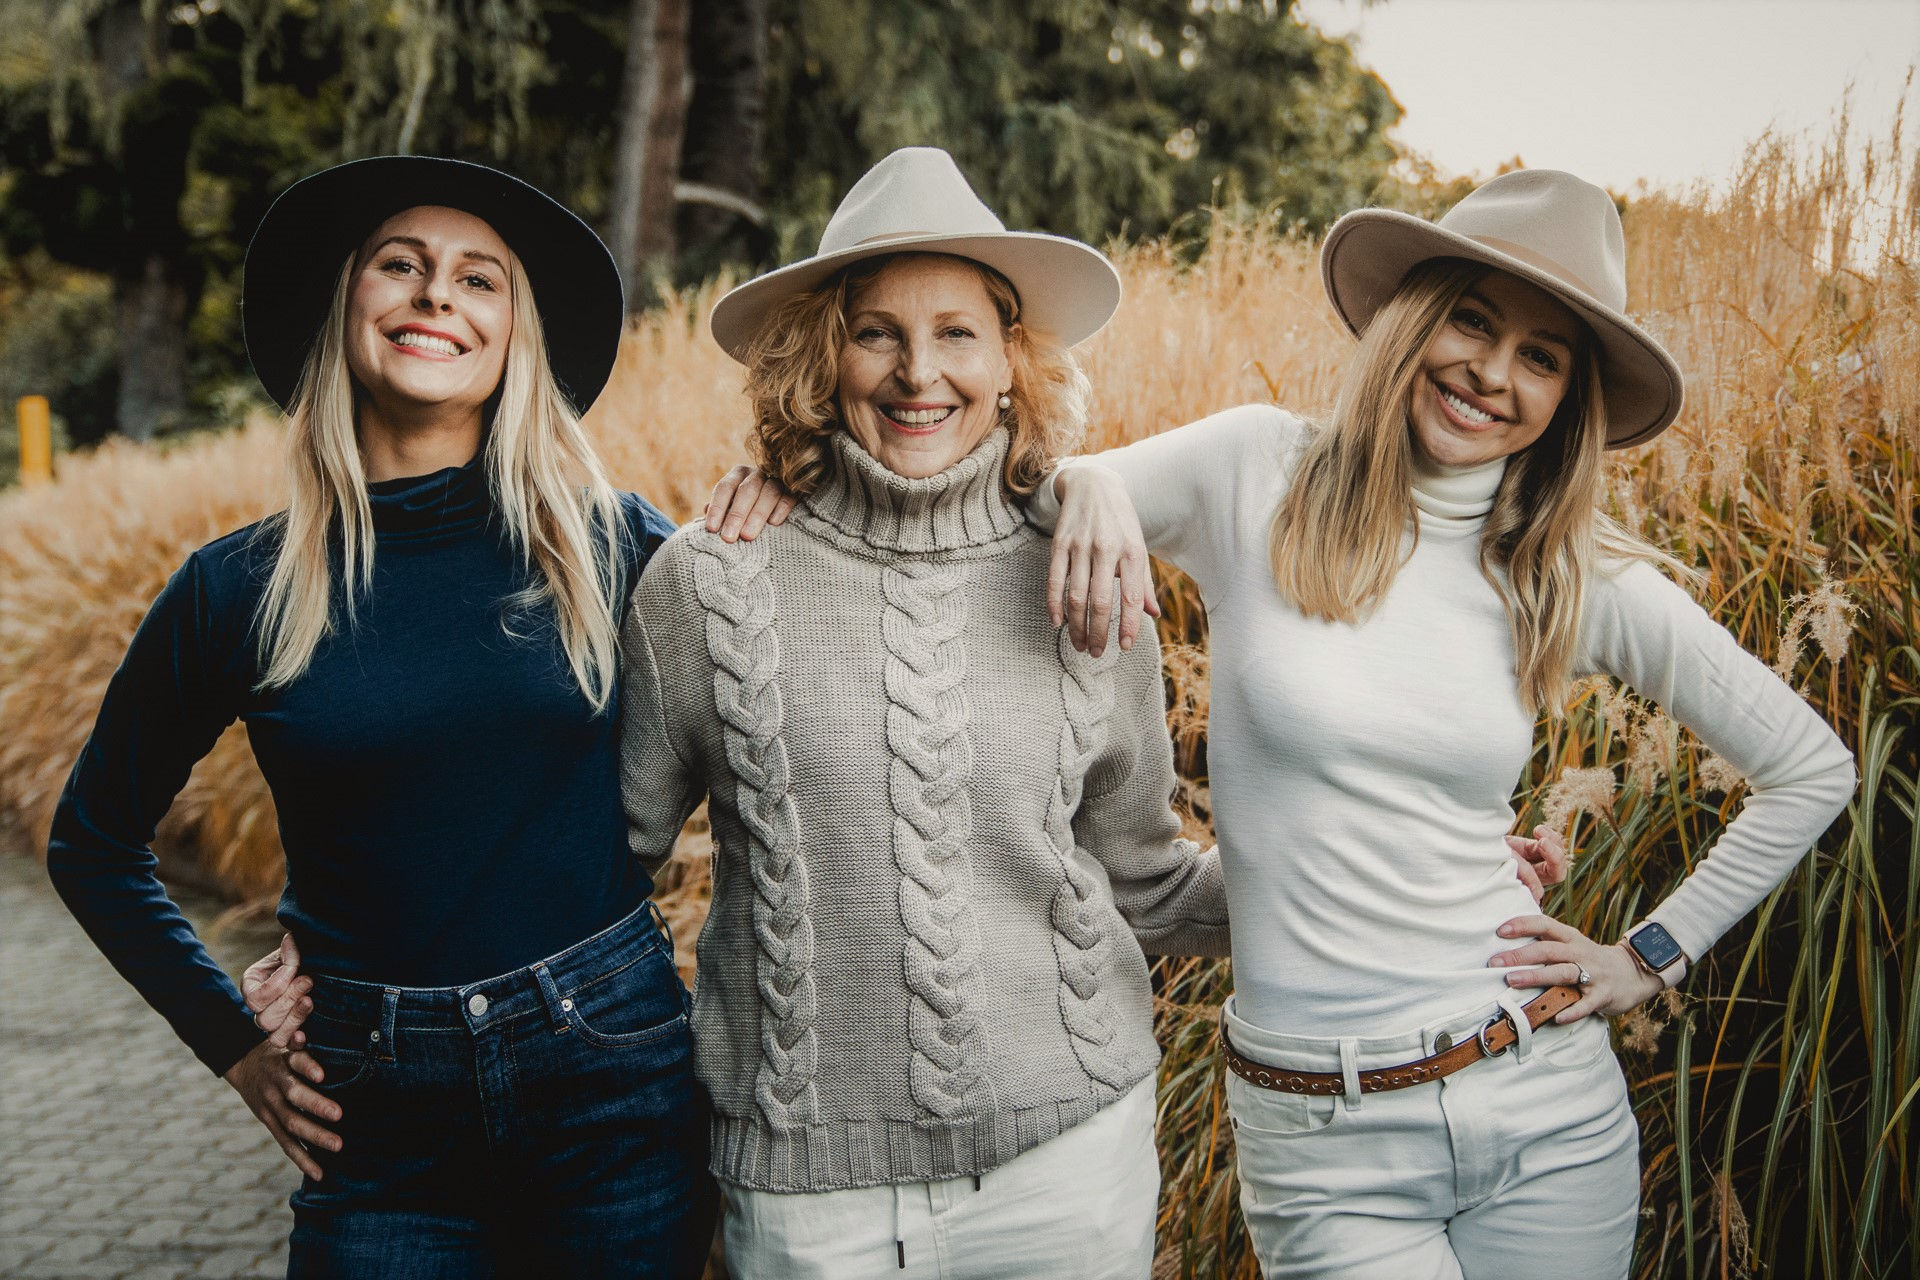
[[793, 382]]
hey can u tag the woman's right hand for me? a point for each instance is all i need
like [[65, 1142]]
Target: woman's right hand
[[1097, 539], [278, 995], [744, 502], [278, 1087]]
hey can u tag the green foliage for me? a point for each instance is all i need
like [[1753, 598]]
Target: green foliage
[[1083, 118], [1091, 118]]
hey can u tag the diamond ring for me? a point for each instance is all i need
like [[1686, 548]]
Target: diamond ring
[[1585, 979]]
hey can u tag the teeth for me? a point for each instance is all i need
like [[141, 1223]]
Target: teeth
[[918, 417], [427, 342], [1464, 409]]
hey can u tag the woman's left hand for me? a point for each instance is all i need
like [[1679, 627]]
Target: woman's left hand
[[1560, 952], [1540, 860]]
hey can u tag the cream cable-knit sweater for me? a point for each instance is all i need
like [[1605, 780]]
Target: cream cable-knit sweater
[[1361, 774], [938, 829]]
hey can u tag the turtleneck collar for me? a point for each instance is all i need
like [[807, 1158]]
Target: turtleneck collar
[[963, 507], [442, 505], [1456, 493]]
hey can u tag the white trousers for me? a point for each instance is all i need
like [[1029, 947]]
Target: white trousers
[[1522, 1165], [1079, 1205]]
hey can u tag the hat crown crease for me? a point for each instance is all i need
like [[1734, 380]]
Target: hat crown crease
[[916, 191], [1552, 221]]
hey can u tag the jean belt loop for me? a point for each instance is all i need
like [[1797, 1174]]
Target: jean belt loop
[[1523, 1029], [389, 1016], [556, 1006], [1350, 1071], [660, 922]]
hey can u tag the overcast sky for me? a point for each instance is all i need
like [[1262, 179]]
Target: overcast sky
[[1619, 90]]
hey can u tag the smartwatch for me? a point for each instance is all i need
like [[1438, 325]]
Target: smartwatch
[[1655, 951]]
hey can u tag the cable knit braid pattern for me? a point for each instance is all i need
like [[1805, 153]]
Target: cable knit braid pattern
[[1079, 943], [931, 764], [737, 593]]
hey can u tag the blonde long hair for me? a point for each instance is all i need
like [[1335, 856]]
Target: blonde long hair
[[1341, 532], [793, 384], [549, 490]]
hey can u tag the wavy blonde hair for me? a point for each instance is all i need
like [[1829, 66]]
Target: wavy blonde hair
[[548, 487], [793, 383], [1340, 533]]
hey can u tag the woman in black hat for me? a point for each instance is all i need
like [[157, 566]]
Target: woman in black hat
[[423, 647]]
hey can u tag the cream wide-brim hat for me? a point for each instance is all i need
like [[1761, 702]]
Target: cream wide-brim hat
[[917, 201], [1552, 230]]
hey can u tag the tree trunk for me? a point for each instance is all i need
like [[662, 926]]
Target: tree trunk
[[150, 315], [156, 283], [647, 154], [666, 126], [725, 129]]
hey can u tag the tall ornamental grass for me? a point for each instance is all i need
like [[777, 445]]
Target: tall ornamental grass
[[1775, 1094]]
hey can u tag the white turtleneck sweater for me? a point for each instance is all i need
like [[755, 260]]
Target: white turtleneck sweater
[[1361, 774]]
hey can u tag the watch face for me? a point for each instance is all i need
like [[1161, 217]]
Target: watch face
[[1655, 945]]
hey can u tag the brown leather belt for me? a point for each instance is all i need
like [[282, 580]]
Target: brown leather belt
[[1492, 1040]]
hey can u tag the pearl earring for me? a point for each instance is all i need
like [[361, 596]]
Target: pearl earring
[[1006, 401]]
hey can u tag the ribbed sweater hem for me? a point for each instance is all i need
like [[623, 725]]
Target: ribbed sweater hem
[[837, 1155]]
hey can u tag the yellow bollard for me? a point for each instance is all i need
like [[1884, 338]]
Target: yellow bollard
[[36, 441]]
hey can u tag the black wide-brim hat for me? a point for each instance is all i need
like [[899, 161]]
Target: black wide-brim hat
[[294, 262]]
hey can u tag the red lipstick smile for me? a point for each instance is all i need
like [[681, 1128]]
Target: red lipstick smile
[[946, 412]]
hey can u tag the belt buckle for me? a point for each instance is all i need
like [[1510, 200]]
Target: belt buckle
[[1480, 1037]]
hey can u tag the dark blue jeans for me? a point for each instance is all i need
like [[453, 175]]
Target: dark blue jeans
[[542, 1123]]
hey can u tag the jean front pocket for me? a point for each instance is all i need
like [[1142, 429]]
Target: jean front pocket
[[1271, 1113], [635, 1004], [344, 1051], [1574, 1046]]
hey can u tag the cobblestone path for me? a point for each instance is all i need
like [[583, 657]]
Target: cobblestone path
[[120, 1155]]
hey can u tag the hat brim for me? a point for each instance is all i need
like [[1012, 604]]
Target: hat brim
[[294, 260], [1068, 290], [1368, 253]]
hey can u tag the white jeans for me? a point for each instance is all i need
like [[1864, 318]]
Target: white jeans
[[1522, 1165], [1079, 1205]]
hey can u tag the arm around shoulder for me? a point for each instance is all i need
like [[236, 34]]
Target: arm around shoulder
[[1200, 490]]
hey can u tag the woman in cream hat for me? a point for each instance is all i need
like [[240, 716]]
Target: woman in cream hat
[[943, 840], [1393, 595]]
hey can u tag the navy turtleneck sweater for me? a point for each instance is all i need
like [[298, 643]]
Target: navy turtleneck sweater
[[448, 801]]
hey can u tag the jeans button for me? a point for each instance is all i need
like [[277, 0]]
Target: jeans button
[[477, 1005], [1442, 1042]]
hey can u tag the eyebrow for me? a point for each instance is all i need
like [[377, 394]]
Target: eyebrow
[[881, 313], [415, 242], [1474, 295]]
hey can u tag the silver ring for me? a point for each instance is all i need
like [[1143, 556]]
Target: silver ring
[[1585, 979]]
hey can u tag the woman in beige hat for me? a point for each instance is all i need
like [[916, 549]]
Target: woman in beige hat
[[1392, 595], [942, 835]]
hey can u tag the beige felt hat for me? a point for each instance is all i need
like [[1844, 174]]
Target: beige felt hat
[[1550, 229], [917, 201]]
